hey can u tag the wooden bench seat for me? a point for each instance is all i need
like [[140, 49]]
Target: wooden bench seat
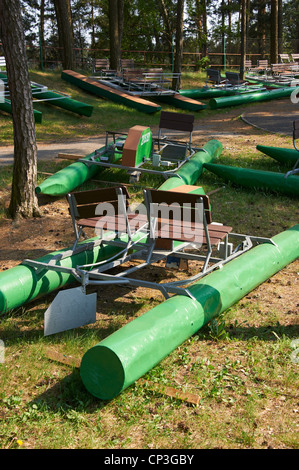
[[170, 215], [214, 76]]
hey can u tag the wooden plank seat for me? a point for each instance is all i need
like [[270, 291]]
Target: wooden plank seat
[[281, 69], [285, 59], [117, 223], [145, 78], [164, 219]]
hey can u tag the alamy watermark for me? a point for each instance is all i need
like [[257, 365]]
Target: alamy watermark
[[295, 96], [172, 220], [2, 90]]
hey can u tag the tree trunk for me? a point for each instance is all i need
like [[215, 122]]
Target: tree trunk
[[279, 28], [179, 40], [261, 28], [65, 32], [205, 27], [167, 27], [116, 10], [23, 201], [42, 33], [274, 32]]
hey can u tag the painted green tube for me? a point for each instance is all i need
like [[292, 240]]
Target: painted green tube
[[180, 101], [282, 155], [194, 168], [206, 93], [246, 98], [6, 106], [118, 361], [21, 284], [258, 179], [69, 178], [209, 92], [69, 104], [110, 93]]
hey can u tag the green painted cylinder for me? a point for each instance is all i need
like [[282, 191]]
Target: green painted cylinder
[[6, 106], [22, 283], [70, 177], [123, 357], [246, 98], [67, 179], [257, 179], [282, 155], [192, 170]]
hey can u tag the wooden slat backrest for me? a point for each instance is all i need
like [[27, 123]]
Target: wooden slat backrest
[[176, 121], [186, 201], [86, 202], [284, 57]]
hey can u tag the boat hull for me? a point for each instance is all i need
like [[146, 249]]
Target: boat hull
[[104, 91], [246, 98]]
